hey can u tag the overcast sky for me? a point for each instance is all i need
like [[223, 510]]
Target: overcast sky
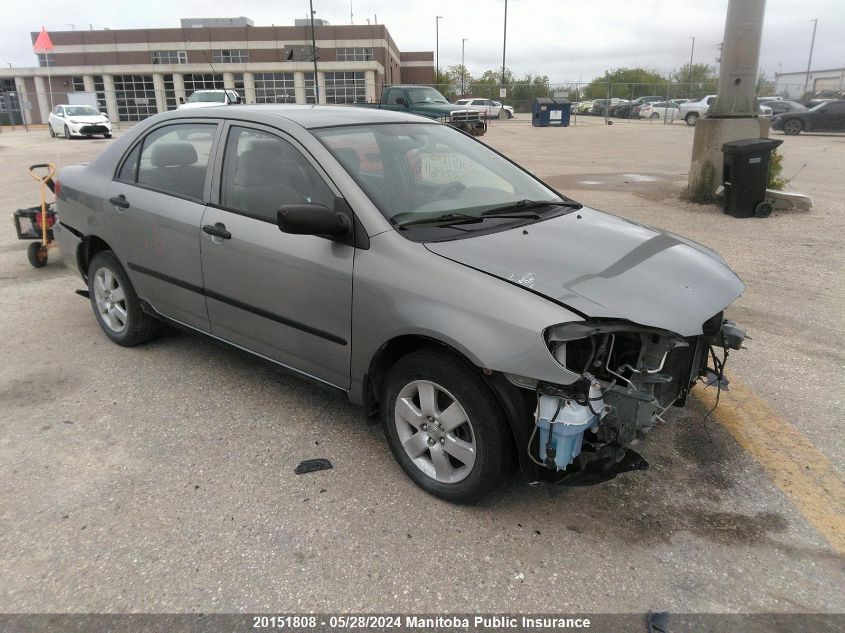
[[568, 41]]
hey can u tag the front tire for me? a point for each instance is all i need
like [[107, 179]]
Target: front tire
[[50, 128], [691, 118], [67, 132], [444, 426], [115, 304], [107, 135], [793, 127]]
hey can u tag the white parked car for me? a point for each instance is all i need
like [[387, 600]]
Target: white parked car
[[659, 110], [78, 120], [509, 111], [487, 108], [692, 110], [211, 98]]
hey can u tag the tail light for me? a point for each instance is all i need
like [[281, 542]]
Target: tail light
[[57, 187]]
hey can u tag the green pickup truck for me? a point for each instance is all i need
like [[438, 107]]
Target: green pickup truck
[[428, 102]]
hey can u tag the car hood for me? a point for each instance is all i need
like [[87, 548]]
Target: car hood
[[437, 109], [603, 266]]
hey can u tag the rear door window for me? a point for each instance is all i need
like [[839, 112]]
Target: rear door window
[[174, 159]]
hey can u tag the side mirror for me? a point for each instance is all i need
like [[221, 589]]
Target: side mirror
[[105, 114], [312, 219]]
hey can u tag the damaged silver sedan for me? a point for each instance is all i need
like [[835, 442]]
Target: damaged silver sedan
[[483, 317]]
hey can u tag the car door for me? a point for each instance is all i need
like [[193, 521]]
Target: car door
[[830, 118], [285, 297], [154, 211]]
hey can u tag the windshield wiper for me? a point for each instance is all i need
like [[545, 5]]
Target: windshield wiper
[[448, 219], [524, 205], [444, 219]]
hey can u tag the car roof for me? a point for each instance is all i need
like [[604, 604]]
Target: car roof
[[307, 116]]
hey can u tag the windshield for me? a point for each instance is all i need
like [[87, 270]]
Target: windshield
[[413, 172], [206, 97], [425, 95], [81, 111]]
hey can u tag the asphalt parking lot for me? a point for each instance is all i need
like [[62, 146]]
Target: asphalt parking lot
[[160, 478]]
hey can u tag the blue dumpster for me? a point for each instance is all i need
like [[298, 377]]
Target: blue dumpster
[[551, 111]]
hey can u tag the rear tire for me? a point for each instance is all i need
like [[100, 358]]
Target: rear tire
[[793, 127], [460, 453], [37, 255], [655, 115], [115, 304], [691, 118]]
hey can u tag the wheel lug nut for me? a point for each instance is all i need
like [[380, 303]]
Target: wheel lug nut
[[431, 441], [442, 440], [424, 426]]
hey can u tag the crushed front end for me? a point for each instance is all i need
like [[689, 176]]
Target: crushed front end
[[628, 377]]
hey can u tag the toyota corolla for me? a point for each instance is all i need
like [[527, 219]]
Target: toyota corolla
[[482, 316]]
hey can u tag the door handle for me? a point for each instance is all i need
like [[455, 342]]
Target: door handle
[[119, 201], [218, 230]]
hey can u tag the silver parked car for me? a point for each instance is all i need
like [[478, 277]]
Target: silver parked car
[[479, 313]]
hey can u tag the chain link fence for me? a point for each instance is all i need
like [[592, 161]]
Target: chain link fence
[[593, 102]]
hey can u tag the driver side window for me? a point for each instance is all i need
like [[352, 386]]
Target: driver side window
[[263, 172]]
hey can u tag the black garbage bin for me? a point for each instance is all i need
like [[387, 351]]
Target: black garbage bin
[[745, 172]]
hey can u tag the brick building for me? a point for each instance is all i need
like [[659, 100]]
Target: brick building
[[139, 72]]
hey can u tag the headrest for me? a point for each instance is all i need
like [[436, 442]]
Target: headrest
[[259, 167], [175, 154]]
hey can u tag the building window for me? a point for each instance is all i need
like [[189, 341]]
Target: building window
[[309, 88], [99, 89], [233, 56], [169, 93], [239, 84], [194, 82], [136, 97], [275, 88], [45, 59], [345, 87], [354, 54], [169, 57]]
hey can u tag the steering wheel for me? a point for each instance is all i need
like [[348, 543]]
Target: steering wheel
[[449, 191]]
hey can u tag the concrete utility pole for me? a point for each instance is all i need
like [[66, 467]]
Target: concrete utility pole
[[733, 115], [810, 59]]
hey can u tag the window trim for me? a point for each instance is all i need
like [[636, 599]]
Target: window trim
[[212, 157]]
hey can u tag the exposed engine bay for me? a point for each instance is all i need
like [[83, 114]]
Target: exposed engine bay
[[628, 377]]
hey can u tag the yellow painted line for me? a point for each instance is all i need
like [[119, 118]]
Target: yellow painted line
[[797, 467]]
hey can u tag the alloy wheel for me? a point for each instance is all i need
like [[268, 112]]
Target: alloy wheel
[[110, 300], [435, 431]]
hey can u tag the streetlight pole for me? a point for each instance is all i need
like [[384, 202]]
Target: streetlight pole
[[689, 74], [463, 67], [810, 59], [504, 43], [314, 54], [437, 19]]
